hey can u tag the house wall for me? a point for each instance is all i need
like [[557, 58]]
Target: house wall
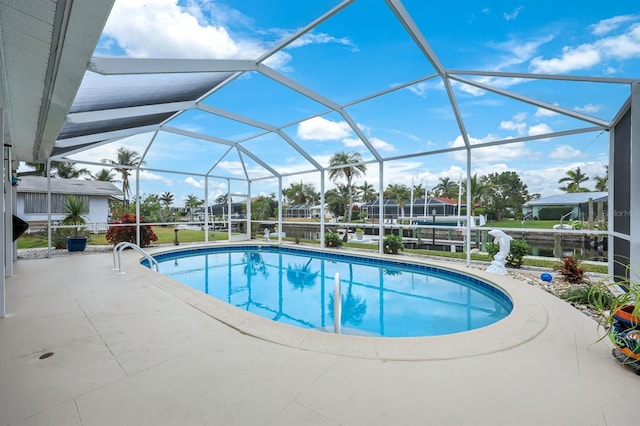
[[96, 218]]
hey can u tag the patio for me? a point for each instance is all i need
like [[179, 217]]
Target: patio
[[159, 356]]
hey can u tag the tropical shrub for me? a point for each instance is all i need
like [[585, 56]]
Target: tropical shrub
[[74, 209], [58, 237], [492, 249], [588, 294], [518, 249], [117, 234], [393, 243], [332, 239], [570, 269]]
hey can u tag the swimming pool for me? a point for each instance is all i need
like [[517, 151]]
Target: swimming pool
[[379, 297]]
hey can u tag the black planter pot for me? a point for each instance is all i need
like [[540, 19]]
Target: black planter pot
[[76, 243]]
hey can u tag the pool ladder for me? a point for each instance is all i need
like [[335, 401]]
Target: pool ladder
[[117, 256]]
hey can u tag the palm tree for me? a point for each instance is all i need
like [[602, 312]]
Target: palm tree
[[222, 199], [338, 199], [104, 175], [295, 193], [446, 188], [574, 178], [602, 182], [310, 193], [191, 203], [166, 198], [478, 191], [347, 166], [67, 170], [126, 160], [367, 192], [400, 193]]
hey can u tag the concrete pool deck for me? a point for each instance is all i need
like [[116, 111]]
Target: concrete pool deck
[[139, 348]]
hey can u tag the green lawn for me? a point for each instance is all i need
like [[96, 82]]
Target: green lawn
[[531, 224], [165, 236]]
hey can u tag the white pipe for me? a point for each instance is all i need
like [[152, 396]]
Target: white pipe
[[337, 304]]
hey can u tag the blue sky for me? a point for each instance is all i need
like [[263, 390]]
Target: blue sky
[[364, 50]]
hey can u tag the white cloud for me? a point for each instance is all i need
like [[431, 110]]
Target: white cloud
[[616, 47], [512, 151], [468, 89], [543, 112], [521, 116], [512, 125], [382, 145], [146, 175], [322, 38], [194, 183], [519, 51], [353, 143], [161, 28], [589, 108], [423, 87], [321, 129], [572, 58], [545, 180], [539, 129], [565, 152], [510, 16], [610, 24]]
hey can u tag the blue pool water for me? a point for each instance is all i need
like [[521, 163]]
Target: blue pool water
[[379, 297]]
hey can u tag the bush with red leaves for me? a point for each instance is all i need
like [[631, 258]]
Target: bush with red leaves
[[570, 269], [117, 234]]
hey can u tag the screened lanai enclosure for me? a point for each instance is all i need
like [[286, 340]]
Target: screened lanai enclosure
[[269, 100]]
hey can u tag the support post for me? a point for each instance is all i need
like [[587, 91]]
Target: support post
[[3, 230], [322, 215], [279, 209], [8, 210], [206, 209], [229, 209], [381, 208], [248, 218], [634, 183], [137, 206]]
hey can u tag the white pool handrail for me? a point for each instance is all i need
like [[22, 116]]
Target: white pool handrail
[[117, 253]]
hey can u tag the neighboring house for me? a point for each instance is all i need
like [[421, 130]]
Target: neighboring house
[[575, 202], [439, 206], [31, 200], [316, 210], [297, 211]]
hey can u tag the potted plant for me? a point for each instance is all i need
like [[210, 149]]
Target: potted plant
[[359, 233], [74, 208], [621, 315]]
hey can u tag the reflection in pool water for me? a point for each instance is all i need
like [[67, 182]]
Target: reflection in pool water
[[379, 298]]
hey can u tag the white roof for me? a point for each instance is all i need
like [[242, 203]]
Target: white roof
[[571, 198], [38, 184]]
